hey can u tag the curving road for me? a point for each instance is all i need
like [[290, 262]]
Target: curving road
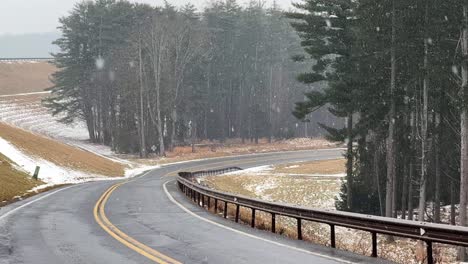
[[147, 220]]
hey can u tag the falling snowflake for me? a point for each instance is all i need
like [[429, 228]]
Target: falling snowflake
[[455, 69], [100, 63]]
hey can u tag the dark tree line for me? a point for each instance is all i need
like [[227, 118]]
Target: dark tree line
[[398, 71], [143, 76]]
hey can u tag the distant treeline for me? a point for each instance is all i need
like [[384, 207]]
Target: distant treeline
[[144, 77]]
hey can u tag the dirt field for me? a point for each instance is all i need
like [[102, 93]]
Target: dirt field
[[25, 77], [58, 153], [13, 182]]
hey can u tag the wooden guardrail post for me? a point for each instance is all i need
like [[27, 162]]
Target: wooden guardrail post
[[216, 206], [299, 229], [374, 244], [252, 222], [225, 209], [332, 236], [237, 212], [273, 222], [430, 258]]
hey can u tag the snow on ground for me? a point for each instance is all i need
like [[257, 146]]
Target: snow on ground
[[259, 169], [49, 172], [27, 112], [52, 174]]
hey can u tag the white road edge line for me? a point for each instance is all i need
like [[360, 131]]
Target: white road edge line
[[33, 201], [243, 233]]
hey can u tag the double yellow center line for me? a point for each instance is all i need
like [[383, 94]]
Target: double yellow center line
[[154, 255], [103, 221]]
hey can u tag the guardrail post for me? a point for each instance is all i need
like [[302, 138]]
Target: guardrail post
[[199, 198], [209, 202], [225, 209], [374, 244], [237, 212], [273, 222], [203, 200], [430, 258], [332, 236], [216, 206], [299, 229], [252, 223]]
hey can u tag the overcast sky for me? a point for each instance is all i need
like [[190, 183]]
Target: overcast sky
[[37, 16]]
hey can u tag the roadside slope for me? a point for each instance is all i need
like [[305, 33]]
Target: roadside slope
[[60, 154], [13, 182]]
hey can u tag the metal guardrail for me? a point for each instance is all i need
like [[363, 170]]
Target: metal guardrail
[[428, 232]]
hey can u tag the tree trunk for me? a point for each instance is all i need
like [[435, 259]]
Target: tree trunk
[[391, 155], [173, 128], [349, 162], [452, 203], [143, 153], [437, 173], [405, 192], [464, 130], [157, 57], [270, 101], [410, 191], [424, 121], [377, 173]]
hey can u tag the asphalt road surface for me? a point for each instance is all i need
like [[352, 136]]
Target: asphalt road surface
[[147, 220]]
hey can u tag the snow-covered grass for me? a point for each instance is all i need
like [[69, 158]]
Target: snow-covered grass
[[271, 183], [50, 173], [27, 112], [315, 185]]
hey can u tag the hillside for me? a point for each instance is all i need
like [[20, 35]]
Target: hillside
[[25, 77], [59, 153]]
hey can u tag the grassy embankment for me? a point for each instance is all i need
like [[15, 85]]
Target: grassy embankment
[[14, 183]]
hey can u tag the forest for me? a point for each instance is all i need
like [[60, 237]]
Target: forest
[[395, 71], [146, 79]]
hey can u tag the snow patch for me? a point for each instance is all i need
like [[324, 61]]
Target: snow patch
[[49, 172], [258, 169]]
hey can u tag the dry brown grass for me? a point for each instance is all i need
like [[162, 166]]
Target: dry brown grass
[[294, 189], [13, 182], [24, 77], [288, 183], [313, 167], [60, 154], [235, 147]]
